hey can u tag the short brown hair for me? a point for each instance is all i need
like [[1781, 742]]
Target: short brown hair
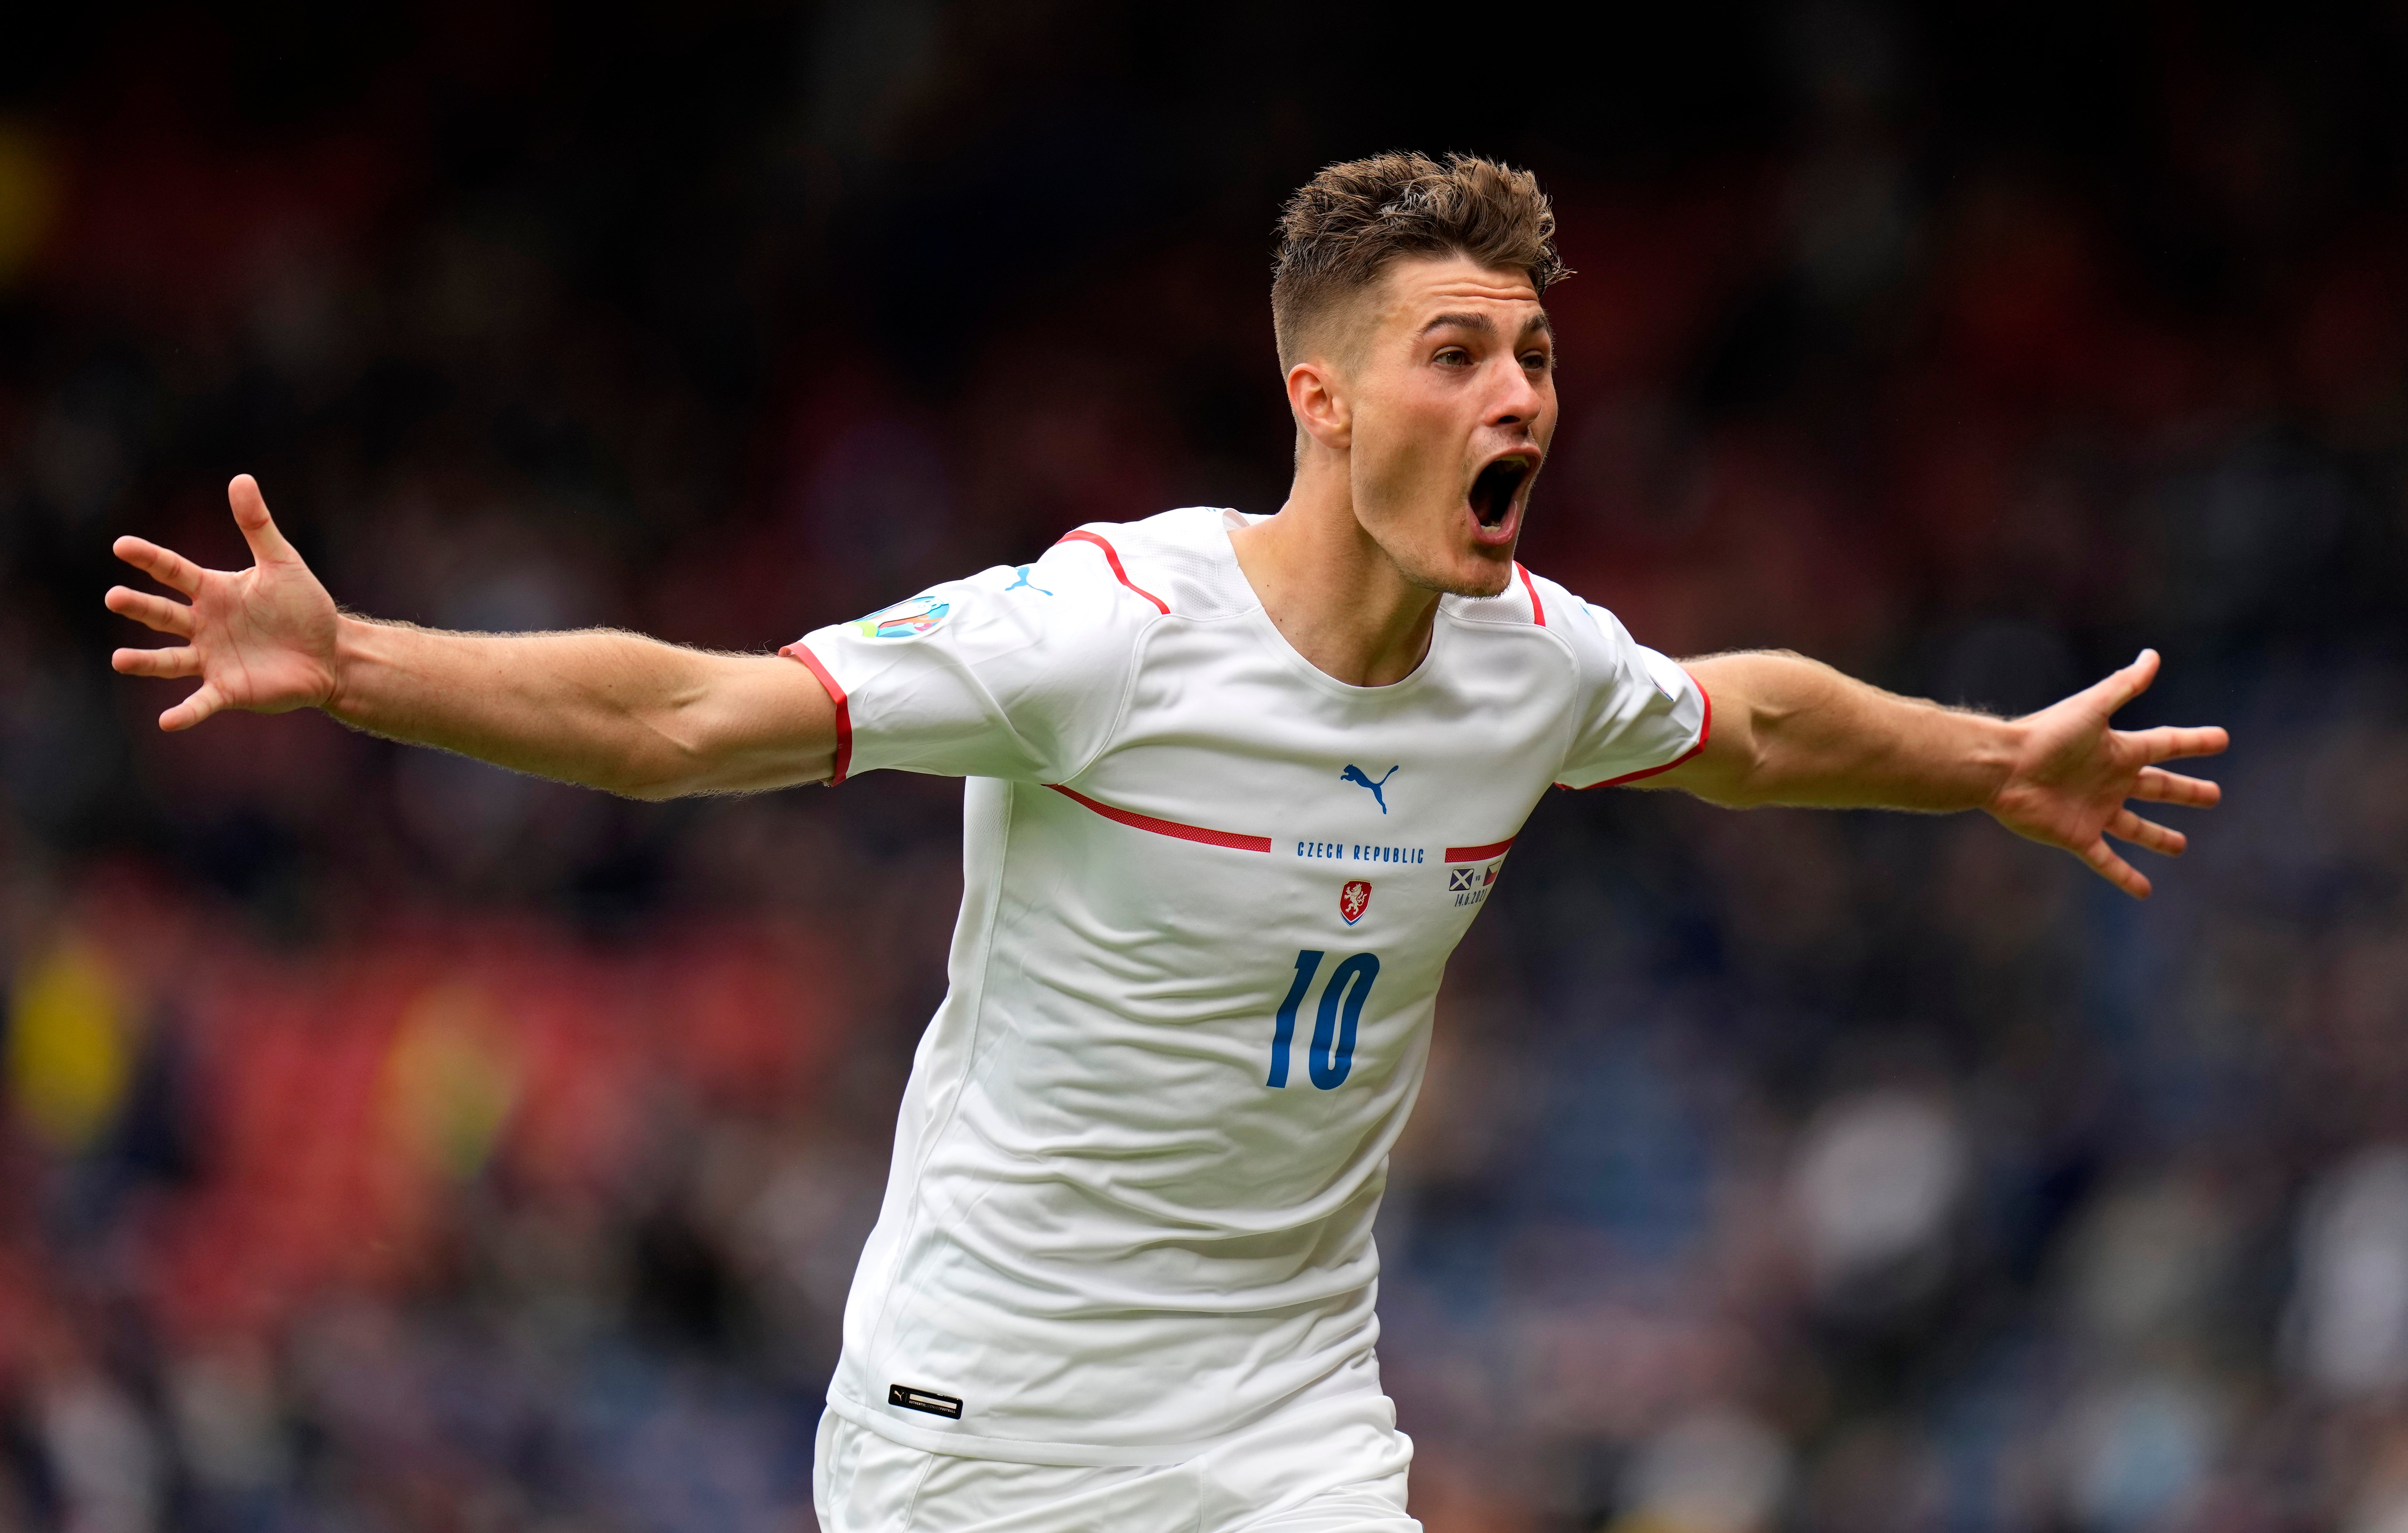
[[1341, 231]]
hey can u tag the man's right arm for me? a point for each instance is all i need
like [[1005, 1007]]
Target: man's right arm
[[612, 710]]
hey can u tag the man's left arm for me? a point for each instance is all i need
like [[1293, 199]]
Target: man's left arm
[[1789, 730]]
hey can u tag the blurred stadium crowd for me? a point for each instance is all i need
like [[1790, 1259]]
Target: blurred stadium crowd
[[391, 1143]]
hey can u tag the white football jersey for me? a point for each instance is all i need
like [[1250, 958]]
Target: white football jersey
[[1209, 892]]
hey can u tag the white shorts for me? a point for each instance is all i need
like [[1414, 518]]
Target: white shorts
[[1335, 1466]]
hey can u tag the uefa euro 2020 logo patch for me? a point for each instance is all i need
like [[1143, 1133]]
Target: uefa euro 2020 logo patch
[[904, 619]]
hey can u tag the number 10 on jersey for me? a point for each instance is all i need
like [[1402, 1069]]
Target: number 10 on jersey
[[1331, 1057]]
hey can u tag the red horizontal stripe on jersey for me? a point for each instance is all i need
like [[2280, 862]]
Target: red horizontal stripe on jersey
[[1478, 854], [1538, 608], [800, 650], [1112, 556], [1229, 838], [1705, 733]]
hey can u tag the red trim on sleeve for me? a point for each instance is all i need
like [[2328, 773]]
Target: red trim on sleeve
[[1112, 556], [800, 650], [1229, 838], [1538, 608], [1477, 854], [1705, 733]]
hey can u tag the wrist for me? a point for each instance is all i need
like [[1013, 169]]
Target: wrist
[[1995, 757], [355, 653]]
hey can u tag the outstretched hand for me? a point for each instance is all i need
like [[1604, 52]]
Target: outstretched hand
[[262, 640], [2074, 773]]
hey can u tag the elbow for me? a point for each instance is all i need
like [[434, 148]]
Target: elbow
[[1730, 795], [680, 774], [672, 775], [1737, 779], [646, 791], [667, 758]]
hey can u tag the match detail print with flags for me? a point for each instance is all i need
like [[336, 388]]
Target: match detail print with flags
[[1355, 899]]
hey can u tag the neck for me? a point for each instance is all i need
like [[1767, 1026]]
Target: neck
[[1332, 592]]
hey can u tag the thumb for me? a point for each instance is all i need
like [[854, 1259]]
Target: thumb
[[268, 545], [2114, 691]]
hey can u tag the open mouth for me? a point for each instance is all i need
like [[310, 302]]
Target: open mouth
[[1494, 489]]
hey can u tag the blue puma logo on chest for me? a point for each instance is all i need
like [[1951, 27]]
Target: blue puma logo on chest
[[1356, 775]]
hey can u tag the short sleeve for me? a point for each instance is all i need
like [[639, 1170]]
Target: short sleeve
[[1014, 673], [1638, 712]]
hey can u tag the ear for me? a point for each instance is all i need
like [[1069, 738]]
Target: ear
[[1316, 397]]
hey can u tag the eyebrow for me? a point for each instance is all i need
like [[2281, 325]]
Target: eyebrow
[[1483, 323]]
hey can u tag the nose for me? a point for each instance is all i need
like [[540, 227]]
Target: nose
[[1519, 399]]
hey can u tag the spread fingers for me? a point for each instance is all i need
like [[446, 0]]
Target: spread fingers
[[167, 617], [167, 663], [2128, 827], [2166, 742], [2114, 869], [2160, 786], [165, 565], [193, 709]]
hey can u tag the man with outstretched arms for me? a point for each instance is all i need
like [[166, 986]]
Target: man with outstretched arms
[[1236, 785]]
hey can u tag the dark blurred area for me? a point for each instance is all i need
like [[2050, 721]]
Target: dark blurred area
[[390, 1143]]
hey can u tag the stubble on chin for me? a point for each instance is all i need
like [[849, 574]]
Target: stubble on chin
[[1492, 582], [1484, 575]]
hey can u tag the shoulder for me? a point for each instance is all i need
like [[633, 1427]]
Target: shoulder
[[1530, 608], [1097, 589], [1177, 564], [1537, 615], [1056, 615], [1533, 600]]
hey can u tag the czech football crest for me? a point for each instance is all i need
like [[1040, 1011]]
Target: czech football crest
[[904, 619], [1355, 899]]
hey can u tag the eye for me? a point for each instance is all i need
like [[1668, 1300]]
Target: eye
[[1538, 362], [1453, 356]]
